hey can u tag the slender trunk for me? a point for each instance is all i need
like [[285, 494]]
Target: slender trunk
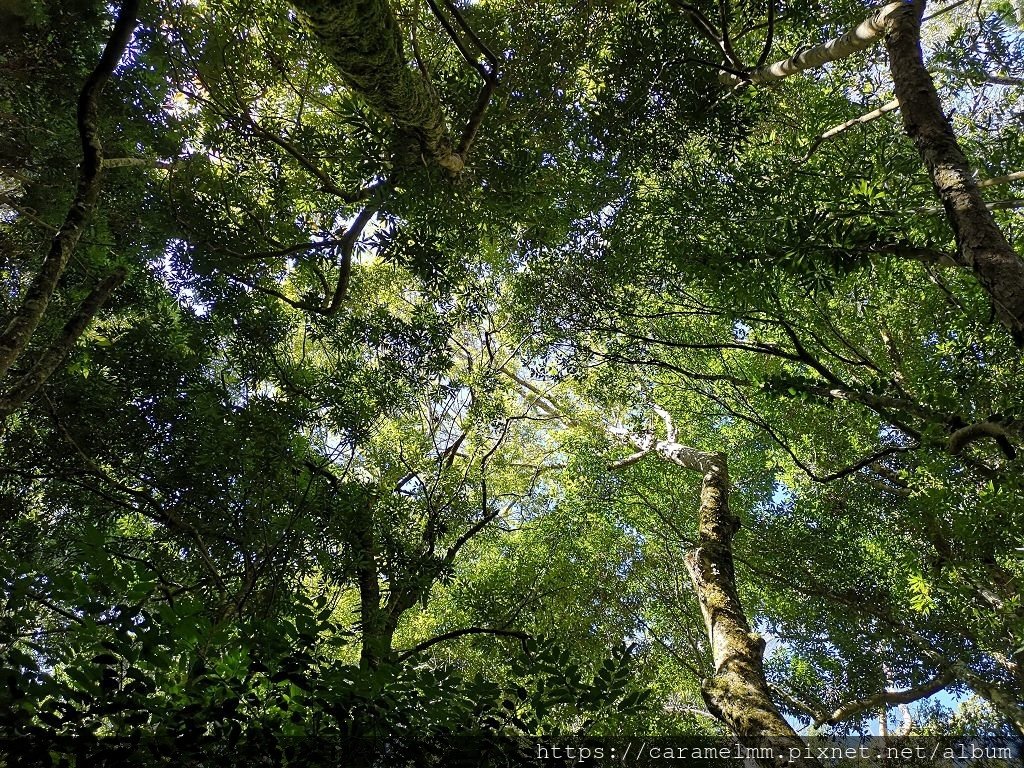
[[48, 362], [16, 335], [376, 645], [363, 40], [837, 130], [982, 245], [737, 693]]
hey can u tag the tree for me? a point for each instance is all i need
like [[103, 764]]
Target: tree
[[391, 361]]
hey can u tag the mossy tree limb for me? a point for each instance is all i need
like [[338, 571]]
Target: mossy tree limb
[[364, 41], [737, 693]]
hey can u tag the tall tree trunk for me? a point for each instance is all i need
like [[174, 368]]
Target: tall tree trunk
[[377, 636], [1004, 702], [737, 693], [982, 245], [363, 40]]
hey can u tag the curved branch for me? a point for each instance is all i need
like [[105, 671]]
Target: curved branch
[[974, 432], [889, 698], [456, 633], [862, 36], [19, 330]]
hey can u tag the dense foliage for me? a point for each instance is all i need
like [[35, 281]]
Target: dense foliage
[[391, 382]]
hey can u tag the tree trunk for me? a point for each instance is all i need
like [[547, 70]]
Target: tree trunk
[[376, 640], [981, 244], [364, 42], [737, 694], [1002, 701], [48, 361], [16, 335]]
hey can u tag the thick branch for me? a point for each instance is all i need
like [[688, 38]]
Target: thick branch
[[363, 40], [1004, 80], [878, 403], [137, 162], [857, 39], [997, 180], [889, 698], [974, 432], [924, 255]]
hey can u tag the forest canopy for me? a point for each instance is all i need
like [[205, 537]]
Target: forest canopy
[[389, 382]]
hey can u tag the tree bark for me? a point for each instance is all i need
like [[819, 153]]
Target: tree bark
[[857, 39], [48, 362], [738, 693], [363, 40], [981, 244], [377, 637], [1002, 701], [26, 319]]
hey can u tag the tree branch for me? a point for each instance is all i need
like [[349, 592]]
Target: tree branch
[[365, 44], [48, 362], [867, 117], [889, 698], [981, 243], [964, 436], [456, 633], [19, 330]]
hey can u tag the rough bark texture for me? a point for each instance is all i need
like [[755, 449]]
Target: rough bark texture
[[737, 694], [26, 319], [857, 39], [981, 244], [364, 42]]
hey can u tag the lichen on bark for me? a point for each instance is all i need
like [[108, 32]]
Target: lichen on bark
[[364, 42], [737, 693], [982, 246]]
